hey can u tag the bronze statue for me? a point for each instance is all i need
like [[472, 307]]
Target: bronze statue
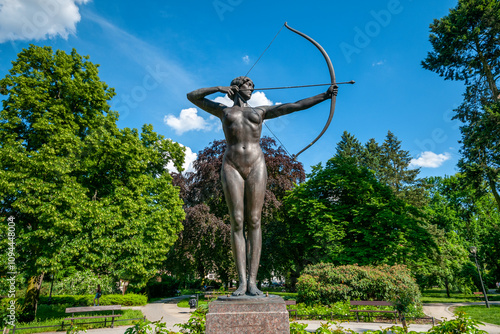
[[244, 172]]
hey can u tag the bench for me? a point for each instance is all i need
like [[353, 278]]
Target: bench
[[210, 294], [373, 303], [82, 309], [479, 295], [291, 302]]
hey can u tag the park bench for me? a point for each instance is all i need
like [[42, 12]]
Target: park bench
[[479, 295], [291, 302], [82, 309], [210, 294], [373, 303]]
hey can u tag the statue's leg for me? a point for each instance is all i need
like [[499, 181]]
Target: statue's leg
[[255, 190], [233, 186]]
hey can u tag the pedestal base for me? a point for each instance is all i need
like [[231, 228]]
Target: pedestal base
[[247, 315]]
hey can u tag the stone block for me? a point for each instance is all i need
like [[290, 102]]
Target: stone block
[[248, 315]]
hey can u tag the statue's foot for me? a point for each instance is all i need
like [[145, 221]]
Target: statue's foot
[[241, 290], [253, 291]]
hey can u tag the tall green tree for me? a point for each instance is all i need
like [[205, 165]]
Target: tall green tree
[[390, 163], [343, 215], [466, 216], [466, 47], [82, 192]]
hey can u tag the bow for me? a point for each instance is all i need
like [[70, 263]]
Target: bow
[[332, 78]]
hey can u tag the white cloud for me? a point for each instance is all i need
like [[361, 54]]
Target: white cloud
[[38, 19], [380, 62], [189, 158], [430, 159], [246, 60], [189, 120], [257, 99]]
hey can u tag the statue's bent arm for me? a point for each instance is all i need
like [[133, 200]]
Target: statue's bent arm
[[197, 97]]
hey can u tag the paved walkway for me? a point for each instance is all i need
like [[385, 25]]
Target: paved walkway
[[444, 311], [168, 311]]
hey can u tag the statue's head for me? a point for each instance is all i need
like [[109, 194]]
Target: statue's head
[[246, 86]]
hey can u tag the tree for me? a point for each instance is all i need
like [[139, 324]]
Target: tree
[[202, 192], [467, 216], [342, 213], [466, 47], [389, 162], [83, 193]]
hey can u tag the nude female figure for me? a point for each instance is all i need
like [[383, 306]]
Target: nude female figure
[[244, 173]]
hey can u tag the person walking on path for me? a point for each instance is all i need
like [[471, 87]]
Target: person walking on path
[[97, 294]]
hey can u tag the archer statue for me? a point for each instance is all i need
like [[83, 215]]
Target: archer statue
[[244, 173]]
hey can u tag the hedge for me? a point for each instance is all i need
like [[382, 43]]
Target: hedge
[[129, 299]]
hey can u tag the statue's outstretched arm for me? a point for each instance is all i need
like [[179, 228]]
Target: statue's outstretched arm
[[288, 108]]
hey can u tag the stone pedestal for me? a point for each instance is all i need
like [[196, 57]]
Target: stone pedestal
[[247, 315]]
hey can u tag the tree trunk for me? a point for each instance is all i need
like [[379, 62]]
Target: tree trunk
[[447, 285], [493, 187], [32, 295]]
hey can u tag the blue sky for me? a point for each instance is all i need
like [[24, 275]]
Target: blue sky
[[154, 52]]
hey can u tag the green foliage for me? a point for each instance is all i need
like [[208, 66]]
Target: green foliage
[[461, 216], [83, 193], [392, 330], [298, 328], [389, 163], [196, 323], [8, 311], [129, 299], [147, 327], [325, 328], [320, 311], [327, 284], [76, 330], [342, 213], [83, 283], [462, 324], [466, 48], [465, 42]]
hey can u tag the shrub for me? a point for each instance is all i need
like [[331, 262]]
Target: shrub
[[324, 283], [129, 299], [82, 283], [462, 324]]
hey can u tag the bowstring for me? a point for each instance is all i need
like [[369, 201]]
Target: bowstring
[[251, 68]]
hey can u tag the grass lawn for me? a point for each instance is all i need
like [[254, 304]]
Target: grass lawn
[[439, 296], [48, 315], [490, 315]]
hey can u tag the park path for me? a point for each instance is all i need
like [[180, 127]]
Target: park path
[[444, 311]]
